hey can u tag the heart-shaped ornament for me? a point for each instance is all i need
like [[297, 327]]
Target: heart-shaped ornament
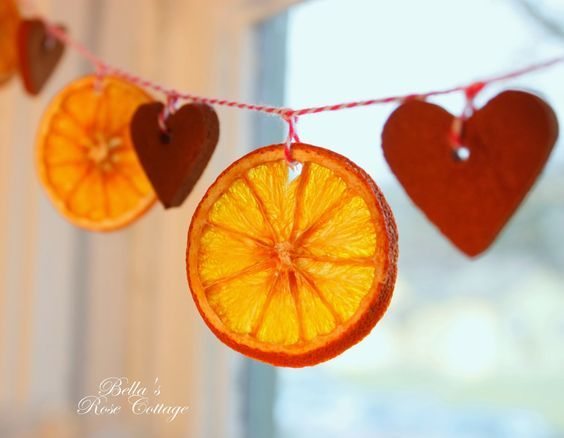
[[39, 53], [174, 160], [470, 200]]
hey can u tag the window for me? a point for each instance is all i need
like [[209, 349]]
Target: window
[[469, 348]]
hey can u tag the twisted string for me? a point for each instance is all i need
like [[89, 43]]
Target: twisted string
[[455, 135], [285, 112], [168, 109], [289, 115], [292, 121]]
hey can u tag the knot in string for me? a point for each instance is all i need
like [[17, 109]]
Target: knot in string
[[470, 92]]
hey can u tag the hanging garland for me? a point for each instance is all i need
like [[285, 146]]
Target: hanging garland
[[292, 252]]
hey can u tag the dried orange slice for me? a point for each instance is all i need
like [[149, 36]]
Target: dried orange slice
[[85, 156], [292, 271], [9, 21]]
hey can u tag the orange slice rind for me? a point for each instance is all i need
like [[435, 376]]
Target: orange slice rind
[[85, 157], [292, 271]]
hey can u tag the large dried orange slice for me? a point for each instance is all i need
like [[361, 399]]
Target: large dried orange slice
[[292, 270], [9, 21], [85, 156]]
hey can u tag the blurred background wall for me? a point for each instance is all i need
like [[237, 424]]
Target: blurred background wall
[[76, 307]]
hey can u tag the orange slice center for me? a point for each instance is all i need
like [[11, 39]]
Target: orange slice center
[[283, 251], [100, 150]]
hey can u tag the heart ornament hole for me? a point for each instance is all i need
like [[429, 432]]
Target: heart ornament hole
[[461, 154]]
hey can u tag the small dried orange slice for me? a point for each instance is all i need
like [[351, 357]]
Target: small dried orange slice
[[85, 156], [292, 270], [9, 21]]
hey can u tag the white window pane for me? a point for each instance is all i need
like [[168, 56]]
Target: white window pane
[[467, 348]]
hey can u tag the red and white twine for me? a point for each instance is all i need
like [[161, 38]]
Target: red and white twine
[[289, 115]]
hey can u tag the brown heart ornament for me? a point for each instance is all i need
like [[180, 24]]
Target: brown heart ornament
[[39, 53], [470, 200], [174, 160]]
